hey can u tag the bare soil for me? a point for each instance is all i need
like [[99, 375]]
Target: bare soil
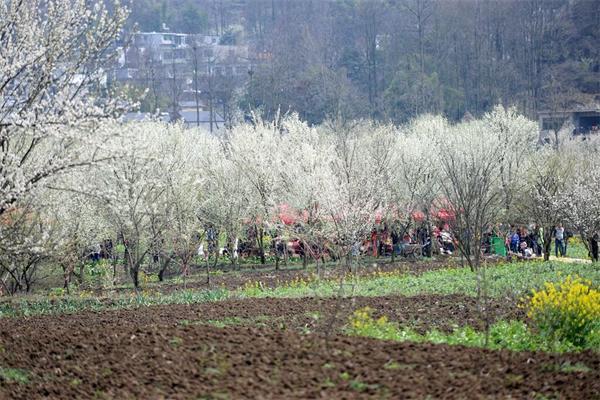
[[312, 314], [171, 352]]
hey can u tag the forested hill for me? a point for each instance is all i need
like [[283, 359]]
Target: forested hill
[[393, 59]]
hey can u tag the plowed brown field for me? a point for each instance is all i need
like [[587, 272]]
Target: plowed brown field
[[169, 352]]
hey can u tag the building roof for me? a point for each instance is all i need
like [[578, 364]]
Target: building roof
[[587, 108], [140, 116], [189, 117]]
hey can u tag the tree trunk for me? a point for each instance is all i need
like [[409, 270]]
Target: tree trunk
[[593, 244], [81, 272], [261, 247], [547, 243], [163, 268], [115, 260], [67, 273], [134, 272], [184, 273], [207, 272]]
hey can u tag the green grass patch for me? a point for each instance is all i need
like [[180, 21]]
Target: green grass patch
[[14, 375], [72, 304], [175, 342], [510, 335], [512, 280], [576, 249], [258, 321], [566, 367]]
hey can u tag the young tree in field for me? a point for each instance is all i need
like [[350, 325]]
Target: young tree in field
[[582, 208], [132, 191], [478, 162], [50, 85], [181, 156], [131, 199], [78, 228]]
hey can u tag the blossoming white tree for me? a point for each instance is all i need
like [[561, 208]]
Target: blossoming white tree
[[26, 241], [516, 137], [225, 198], [580, 199], [306, 162], [469, 184], [357, 186], [50, 82], [415, 182], [255, 149], [147, 194], [547, 179], [77, 228], [181, 154]]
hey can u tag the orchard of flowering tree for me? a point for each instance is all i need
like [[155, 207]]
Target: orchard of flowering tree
[[275, 258]]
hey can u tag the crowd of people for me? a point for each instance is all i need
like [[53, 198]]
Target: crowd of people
[[528, 242], [524, 242]]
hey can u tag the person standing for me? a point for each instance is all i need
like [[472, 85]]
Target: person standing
[[515, 240], [559, 240]]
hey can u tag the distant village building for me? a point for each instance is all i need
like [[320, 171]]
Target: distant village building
[[174, 66], [160, 50], [141, 117], [202, 119], [581, 120]]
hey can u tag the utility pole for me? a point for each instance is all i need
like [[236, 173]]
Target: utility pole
[[210, 92], [195, 48], [174, 100], [250, 88]]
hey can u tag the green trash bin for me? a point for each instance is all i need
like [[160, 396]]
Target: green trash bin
[[498, 246]]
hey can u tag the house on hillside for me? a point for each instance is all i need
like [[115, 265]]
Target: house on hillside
[[583, 120]]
